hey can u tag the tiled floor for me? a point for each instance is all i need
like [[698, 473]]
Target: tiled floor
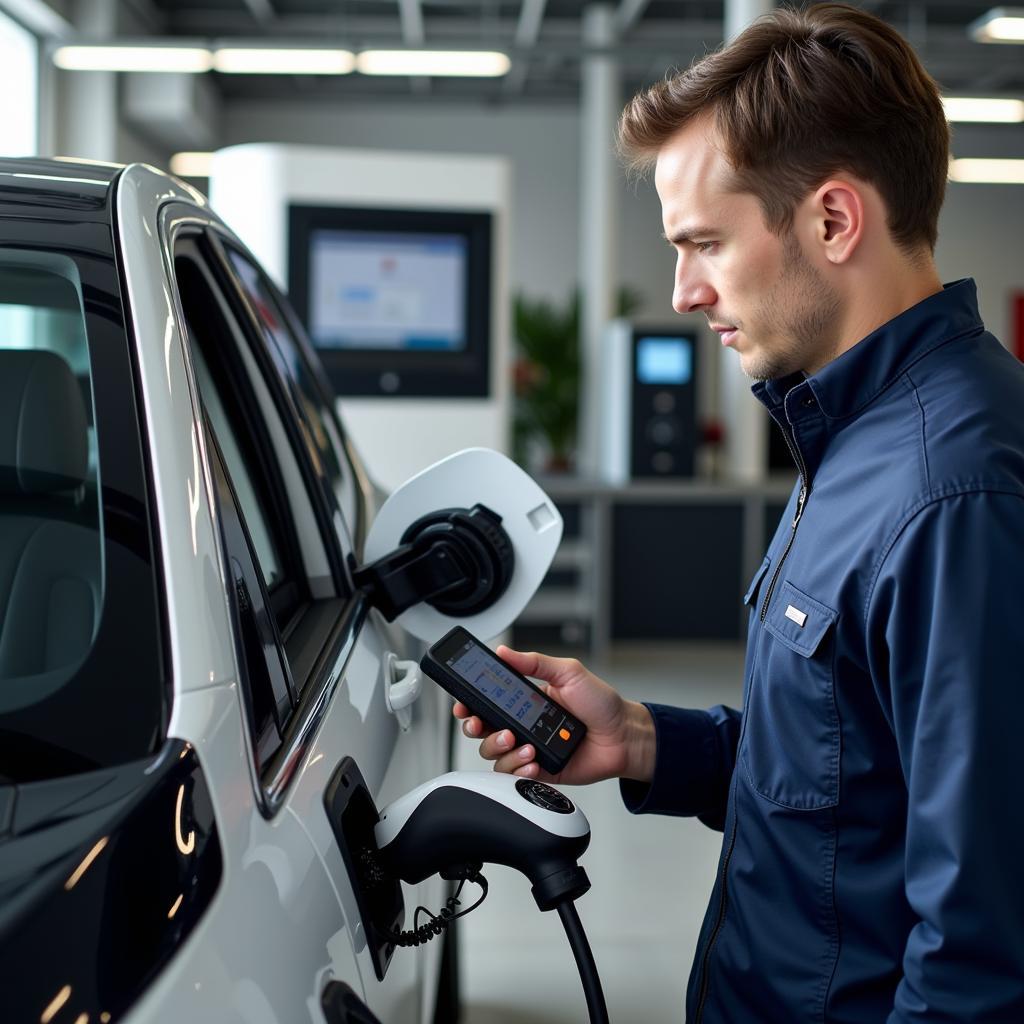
[[651, 879]]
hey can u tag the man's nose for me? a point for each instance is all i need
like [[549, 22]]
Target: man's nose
[[692, 296]]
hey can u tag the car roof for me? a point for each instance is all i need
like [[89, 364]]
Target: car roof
[[87, 182], [59, 178]]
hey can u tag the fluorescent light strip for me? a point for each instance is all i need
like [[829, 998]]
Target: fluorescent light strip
[[253, 61], [191, 164], [186, 59], [983, 108], [1000, 25], [436, 63], [987, 172]]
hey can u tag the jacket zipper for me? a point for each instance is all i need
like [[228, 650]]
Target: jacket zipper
[[801, 500]]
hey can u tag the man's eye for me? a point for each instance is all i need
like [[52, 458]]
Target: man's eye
[[705, 247]]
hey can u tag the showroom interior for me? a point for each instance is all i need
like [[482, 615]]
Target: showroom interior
[[484, 132]]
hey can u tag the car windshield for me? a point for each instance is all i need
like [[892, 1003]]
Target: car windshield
[[66, 563]]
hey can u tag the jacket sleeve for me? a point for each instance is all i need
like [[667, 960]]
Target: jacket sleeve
[[945, 623], [695, 756]]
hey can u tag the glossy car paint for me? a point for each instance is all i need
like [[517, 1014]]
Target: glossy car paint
[[283, 922]]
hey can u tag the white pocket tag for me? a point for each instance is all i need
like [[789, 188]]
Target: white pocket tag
[[796, 615]]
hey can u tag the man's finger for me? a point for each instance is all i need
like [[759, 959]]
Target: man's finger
[[515, 759], [541, 666], [497, 744]]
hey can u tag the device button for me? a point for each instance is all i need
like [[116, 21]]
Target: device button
[[543, 795], [564, 734], [664, 402], [663, 430]]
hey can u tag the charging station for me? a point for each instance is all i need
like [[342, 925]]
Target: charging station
[[649, 400]]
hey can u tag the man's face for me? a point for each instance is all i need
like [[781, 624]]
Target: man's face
[[759, 291]]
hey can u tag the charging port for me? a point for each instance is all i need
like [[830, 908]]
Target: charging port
[[353, 815]]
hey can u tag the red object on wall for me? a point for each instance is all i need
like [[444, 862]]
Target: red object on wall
[[1017, 321]]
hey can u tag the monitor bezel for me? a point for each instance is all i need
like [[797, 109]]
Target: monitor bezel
[[386, 373]]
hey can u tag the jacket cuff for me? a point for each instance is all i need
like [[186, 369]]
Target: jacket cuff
[[685, 765]]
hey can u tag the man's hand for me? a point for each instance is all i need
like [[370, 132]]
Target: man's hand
[[620, 733]]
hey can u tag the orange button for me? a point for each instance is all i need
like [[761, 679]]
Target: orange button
[[564, 733]]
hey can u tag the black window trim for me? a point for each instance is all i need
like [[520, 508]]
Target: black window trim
[[281, 715], [290, 596]]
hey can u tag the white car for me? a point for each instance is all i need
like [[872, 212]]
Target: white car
[[203, 698]]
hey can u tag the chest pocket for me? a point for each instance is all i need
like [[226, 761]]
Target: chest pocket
[[791, 727]]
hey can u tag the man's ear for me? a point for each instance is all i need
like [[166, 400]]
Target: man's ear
[[837, 210]]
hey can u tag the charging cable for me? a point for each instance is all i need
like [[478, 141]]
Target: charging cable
[[419, 934], [596, 1007]]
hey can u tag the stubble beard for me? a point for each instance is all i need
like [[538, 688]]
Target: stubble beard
[[799, 315]]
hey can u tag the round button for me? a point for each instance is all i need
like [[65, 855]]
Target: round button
[[543, 795], [664, 402], [662, 432]]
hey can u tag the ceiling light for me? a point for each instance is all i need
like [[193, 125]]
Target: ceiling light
[[438, 63], [1000, 25], [189, 59], [983, 108], [191, 165], [989, 172], [253, 61]]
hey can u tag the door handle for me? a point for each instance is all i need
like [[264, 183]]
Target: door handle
[[402, 685]]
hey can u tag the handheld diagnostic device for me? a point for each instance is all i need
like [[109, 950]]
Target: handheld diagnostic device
[[492, 689]]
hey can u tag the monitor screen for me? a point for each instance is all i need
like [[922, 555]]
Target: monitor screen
[[384, 290], [397, 302], [661, 360]]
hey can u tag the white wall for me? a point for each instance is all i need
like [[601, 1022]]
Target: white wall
[[981, 229], [543, 146]]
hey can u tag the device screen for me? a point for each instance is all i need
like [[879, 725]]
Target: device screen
[[664, 360], [483, 671], [381, 290]]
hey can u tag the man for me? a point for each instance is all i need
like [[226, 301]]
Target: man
[[870, 790]]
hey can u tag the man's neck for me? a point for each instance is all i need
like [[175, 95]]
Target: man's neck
[[880, 298]]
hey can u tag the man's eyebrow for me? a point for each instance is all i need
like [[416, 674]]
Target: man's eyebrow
[[687, 234]]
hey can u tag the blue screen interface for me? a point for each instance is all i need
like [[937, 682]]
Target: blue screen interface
[[381, 290], [664, 360], [486, 673]]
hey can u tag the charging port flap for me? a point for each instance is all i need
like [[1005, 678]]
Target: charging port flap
[[353, 815]]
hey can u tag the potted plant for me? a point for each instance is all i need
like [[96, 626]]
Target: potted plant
[[546, 378]]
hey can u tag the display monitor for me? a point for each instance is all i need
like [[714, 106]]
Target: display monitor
[[397, 302], [664, 360]]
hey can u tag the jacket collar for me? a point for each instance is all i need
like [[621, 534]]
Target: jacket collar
[[845, 386]]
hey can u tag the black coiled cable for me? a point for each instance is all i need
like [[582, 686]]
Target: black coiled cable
[[439, 922]]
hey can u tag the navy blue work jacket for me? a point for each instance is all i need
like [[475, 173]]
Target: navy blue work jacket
[[871, 792]]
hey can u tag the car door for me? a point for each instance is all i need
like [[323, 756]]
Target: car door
[[391, 757], [312, 650]]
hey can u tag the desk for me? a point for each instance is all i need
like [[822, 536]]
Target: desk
[[651, 560]]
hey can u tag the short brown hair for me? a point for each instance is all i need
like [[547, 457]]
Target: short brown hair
[[801, 95]]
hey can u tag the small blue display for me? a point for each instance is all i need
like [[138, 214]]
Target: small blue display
[[664, 360]]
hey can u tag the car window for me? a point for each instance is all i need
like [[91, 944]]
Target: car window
[[312, 396], [75, 555], [286, 600], [266, 547]]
